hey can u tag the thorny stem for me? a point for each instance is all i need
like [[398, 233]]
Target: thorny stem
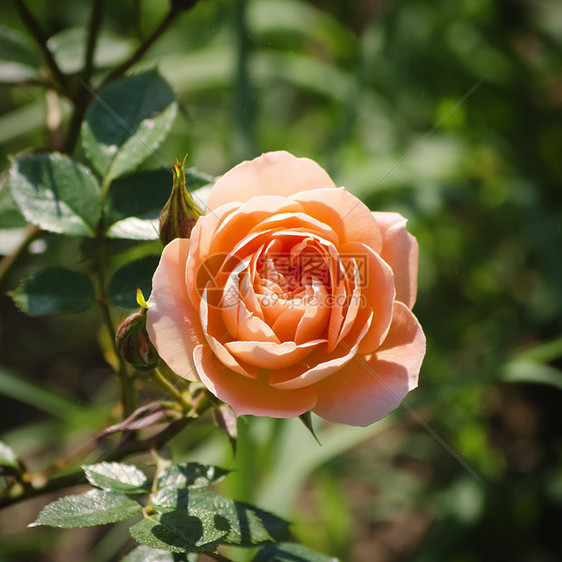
[[40, 485], [40, 38]]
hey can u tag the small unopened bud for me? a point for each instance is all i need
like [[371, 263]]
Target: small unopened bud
[[180, 213], [134, 344]]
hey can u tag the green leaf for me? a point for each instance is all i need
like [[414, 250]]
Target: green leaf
[[526, 371], [289, 552], [8, 458], [116, 476], [55, 290], [95, 507], [127, 122], [68, 48], [10, 215], [190, 475], [18, 58], [146, 554], [56, 193], [178, 531], [134, 204], [246, 524], [123, 284]]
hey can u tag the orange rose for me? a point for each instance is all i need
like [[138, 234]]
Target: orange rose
[[291, 296]]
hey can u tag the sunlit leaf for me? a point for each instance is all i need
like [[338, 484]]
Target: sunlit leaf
[[247, 525], [126, 123], [178, 531], [95, 507], [190, 475], [56, 193], [116, 476]]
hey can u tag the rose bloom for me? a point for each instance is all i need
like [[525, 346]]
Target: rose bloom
[[291, 296]]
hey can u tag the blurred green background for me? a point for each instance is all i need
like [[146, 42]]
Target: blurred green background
[[448, 112]]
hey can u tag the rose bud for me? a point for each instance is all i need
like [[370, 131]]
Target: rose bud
[[133, 342], [180, 213]]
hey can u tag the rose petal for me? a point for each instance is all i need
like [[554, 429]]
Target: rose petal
[[269, 355], [369, 387], [323, 368], [295, 221], [316, 314], [400, 251], [172, 322], [378, 289], [202, 264], [273, 173], [355, 302], [350, 218], [248, 218], [247, 396], [286, 323], [239, 321], [211, 315]]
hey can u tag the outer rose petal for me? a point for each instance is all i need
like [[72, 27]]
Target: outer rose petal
[[370, 386], [172, 323], [350, 218], [247, 396], [274, 173], [400, 251]]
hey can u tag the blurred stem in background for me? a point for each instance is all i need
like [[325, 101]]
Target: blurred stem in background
[[244, 137]]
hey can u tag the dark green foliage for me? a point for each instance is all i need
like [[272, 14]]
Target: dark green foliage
[[123, 285], [55, 290], [126, 123]]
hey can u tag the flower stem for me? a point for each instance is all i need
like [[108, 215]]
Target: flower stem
[[168, 387], [126, 380]]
